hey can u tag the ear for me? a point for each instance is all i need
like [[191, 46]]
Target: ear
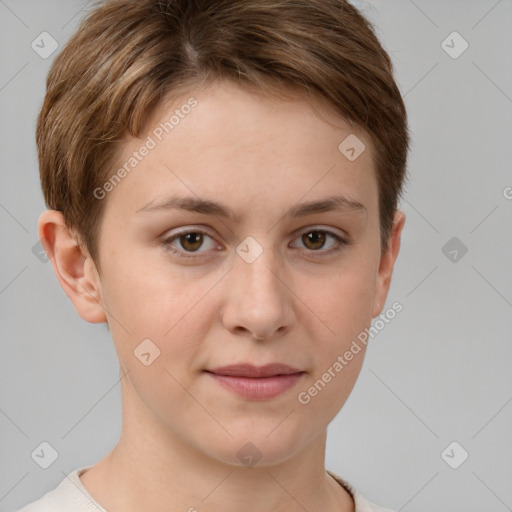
[[75, 271], [387, 263]]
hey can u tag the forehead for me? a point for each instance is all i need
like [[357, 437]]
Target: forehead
[[225, 107], [226, 140]]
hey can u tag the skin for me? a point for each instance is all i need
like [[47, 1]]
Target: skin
[[181, 432]]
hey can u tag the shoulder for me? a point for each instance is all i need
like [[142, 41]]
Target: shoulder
[[68, 495], [361, 503], [40, 505], [44, 504]]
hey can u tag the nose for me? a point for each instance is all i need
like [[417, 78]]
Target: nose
[[258, 301]]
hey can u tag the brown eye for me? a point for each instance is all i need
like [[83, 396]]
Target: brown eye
[[191, 241], [314, 239]]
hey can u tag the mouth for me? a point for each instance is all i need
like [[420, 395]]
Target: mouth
[[257, 382]]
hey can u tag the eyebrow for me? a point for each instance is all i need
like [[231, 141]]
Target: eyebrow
[[209, 207]]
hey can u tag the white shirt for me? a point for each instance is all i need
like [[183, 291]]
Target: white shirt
[[71, 496]]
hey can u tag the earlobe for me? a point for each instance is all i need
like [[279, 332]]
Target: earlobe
[[387, 263], [75, 271]]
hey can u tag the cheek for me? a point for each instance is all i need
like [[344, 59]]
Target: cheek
[[173, 310], [150, 298], [342, 309], [343, 304], [322, 397]]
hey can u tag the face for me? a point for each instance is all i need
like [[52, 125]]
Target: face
[[189, 290]]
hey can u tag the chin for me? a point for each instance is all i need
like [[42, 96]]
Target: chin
[[259, 448]]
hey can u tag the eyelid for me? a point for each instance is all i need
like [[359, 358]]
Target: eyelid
[[342, 241], [326, 229], [169, 239]]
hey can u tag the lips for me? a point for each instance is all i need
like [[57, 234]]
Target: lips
[[257, 382], [255, 372]]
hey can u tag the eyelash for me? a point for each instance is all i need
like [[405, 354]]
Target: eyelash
[[341, 243]]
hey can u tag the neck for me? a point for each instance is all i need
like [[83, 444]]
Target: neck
[[151, 468]]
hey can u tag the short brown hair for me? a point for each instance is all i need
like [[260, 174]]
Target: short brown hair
[[128, 55]]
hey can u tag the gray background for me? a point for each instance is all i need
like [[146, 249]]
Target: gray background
[[439, 372]]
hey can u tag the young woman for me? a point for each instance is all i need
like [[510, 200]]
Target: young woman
[[222, 180]]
